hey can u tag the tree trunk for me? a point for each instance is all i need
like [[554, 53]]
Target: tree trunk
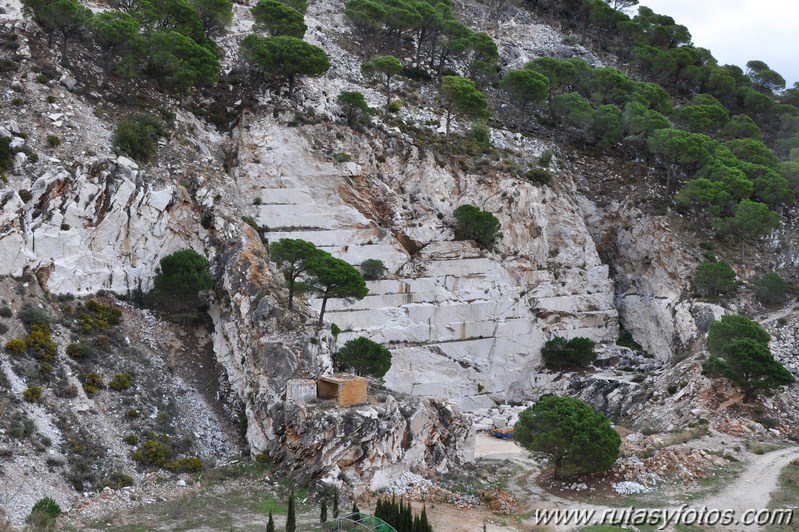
[[743, 238], [388, 93], [291, 86], [449, 114], [291, 293], [64, 58], [322, 310]]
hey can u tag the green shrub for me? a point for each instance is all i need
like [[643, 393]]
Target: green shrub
[[626, 340], [3, 328], [119, 480], [249, 220], [120, 382], [92, 382], [138, 136], [416, 73], [364, 357], [30, 315], [46, 369], [562, 353], [180, 277], [80, 349], [545, 159], [373, 269], [394, 106], [53, 140], [32, 394], [771, 289], [6, 312], [153, 453], [715, 279], [335, 330], [479, 140], [96, 316], [342, 157], [43, 513], [539, 176], [6, 154], [131, 439], [16, 346], [354, 106], [472, 223], [40, 343], [189, 464]]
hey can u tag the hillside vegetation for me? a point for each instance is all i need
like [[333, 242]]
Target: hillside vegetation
[[474, 204]]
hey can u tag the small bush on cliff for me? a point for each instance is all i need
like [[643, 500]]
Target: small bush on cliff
[[153, 453], [771, 289], [472, 223], [43, 513], [364, 357], [6, 154], [561, 353], [715, 280], [579, 440], [137, 137], [179, 279], [16, 346], [40, 343], [120, 382], [740, 353], [373, 269], [32, 394], [30, 315]]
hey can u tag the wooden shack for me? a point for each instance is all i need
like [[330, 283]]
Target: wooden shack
[[300, 391], [347, 390]]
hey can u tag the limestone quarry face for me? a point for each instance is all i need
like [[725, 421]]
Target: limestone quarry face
[[462, 323], [465, 325], [94, 229]]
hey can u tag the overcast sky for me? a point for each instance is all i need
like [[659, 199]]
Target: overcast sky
[[739, 30]]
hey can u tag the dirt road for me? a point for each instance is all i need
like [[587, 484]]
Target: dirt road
[[752, 489]]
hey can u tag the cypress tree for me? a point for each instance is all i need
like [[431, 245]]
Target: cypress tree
[[425, 523], [323, 511], [335, 503], [291, 519], [270, 525]]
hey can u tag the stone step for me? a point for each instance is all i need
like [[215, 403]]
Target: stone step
[[285, 196], [428, 312], [503, 297], [480, 266], [574, 303], [325, 238]]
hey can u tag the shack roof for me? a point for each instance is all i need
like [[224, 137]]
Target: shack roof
[[339, 379]]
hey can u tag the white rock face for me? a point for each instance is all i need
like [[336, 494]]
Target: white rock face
[[652, 272], [95, 230], [462, 323]]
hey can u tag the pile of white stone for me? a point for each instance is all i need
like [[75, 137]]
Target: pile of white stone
[[630, 488], [406, 482], [497, 418]]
